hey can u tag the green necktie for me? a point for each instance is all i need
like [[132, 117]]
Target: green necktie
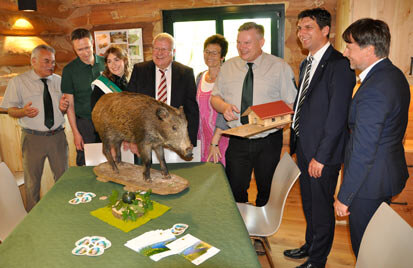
[[48, 106], [247, 93]]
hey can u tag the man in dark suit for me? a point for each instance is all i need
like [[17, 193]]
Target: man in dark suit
[[375, 166], [319, 132], [168, 81]]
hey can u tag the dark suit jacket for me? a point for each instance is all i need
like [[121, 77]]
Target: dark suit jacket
[[183, 90], [375, 166], [323, 115]]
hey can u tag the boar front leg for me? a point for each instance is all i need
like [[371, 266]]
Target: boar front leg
[[161, 156], [146, 156]]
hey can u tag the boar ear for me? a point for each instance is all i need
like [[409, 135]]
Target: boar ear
[[181, 109], [161, 113]]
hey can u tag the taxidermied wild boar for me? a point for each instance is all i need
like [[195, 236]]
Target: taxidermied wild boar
[[141, 119]]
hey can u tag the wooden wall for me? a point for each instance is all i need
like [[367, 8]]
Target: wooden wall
[[398, 14], [55, 19]]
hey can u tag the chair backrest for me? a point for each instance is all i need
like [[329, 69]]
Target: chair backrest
[[387, 241], [94, 155], [284, 177], [11, 205]]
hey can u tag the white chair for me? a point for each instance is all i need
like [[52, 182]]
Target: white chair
[[387, 241], [11, 204], [262, 222], [94, 155]]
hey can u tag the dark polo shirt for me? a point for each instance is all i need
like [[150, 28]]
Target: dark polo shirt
[[77, 78]]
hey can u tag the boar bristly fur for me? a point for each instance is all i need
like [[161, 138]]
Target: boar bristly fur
[[140, 119]]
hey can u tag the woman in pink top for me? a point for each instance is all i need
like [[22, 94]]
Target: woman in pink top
[[213, 146]]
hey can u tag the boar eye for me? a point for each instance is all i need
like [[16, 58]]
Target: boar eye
[[174, 128]]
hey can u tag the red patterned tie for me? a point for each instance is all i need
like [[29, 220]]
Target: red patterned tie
[[162, 93]]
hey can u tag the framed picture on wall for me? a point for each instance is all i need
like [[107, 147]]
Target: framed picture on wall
[[129, 39]]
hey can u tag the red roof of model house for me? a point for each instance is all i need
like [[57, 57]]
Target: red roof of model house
[[269, 110]]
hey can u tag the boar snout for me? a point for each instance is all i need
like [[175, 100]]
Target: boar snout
[[188, 152]]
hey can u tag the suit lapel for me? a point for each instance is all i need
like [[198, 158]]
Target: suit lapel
[[151, 78], [174, 82], [377, 67], [320, 69], [303, 65]]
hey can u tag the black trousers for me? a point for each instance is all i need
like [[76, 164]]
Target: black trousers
[[361, 211], [246, 155], [317, 195], [89, 135]]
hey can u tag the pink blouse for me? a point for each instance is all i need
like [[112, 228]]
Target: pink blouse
[[207, 117]]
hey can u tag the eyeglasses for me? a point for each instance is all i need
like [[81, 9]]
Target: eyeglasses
[[161, 49], [212, 53]]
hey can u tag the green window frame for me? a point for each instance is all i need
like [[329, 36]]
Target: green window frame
[[276, 12]]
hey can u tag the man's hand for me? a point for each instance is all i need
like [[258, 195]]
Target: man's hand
[[63, 104], [315, 168], [229, 114], [341, 209], [30, 111], [78, 141]]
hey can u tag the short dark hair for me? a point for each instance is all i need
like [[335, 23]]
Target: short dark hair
[[218, 40], [80, 33], [122, 55], [367, 32], [252, 25], [320, 15]]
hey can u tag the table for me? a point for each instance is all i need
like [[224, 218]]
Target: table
[[47, 235]]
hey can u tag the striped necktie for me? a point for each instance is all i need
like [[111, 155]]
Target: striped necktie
[[162, 92], [303, 94]]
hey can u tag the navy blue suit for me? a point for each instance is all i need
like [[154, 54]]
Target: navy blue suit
[[375, 166], [183, 90], [322, 136]]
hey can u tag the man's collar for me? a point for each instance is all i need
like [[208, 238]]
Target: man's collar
[[365, 72], [96, 61], [35, 76], [166, 69], [320, 53], [257, 61]]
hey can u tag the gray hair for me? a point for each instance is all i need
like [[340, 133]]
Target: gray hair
[[165, 36], [36, 50]]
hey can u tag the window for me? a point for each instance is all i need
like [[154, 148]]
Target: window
[[190, 28]]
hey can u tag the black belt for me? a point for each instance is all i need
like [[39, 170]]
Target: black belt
[[43, 133]]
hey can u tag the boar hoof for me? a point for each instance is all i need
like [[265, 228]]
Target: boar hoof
[[147, 179], [167, 177]]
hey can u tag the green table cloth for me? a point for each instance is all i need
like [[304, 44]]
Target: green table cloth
[[47, 235]]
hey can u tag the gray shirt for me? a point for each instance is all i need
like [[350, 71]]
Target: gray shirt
[[273, 81], [27, 87]]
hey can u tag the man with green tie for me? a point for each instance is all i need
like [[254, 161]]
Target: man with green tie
[[253, 78], [33, 97]]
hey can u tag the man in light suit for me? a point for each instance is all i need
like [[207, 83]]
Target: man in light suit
[[180, 82], [375, 166], [319, 132]]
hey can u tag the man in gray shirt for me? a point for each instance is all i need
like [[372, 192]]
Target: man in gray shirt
[[270, 79], [33, 97]]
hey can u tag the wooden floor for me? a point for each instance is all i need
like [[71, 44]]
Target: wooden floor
[[292, 230]]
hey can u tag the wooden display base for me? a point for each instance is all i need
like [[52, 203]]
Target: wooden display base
[[131, 176], [248, 130]]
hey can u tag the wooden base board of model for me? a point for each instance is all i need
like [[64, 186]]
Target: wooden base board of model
[[249, 130], [131, 176]]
